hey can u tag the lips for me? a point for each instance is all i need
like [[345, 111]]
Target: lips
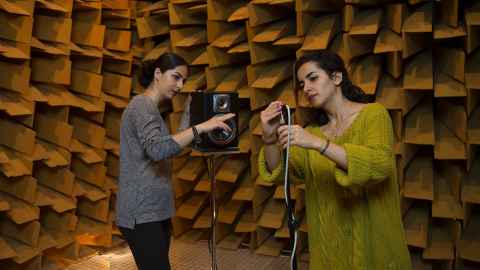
[[175, 91], [311, 97]]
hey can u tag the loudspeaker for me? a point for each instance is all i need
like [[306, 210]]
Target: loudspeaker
[[206, 105]]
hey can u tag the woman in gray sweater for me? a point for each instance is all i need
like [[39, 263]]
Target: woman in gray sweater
[[145, 200]]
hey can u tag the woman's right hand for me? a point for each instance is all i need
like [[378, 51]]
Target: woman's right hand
[[271, 121], [215, 122]]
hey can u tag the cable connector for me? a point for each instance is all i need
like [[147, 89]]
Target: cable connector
[[293, 224]]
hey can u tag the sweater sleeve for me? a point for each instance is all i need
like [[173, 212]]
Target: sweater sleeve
[[297, 166], [153, 134], [184, 121], [373, 161]]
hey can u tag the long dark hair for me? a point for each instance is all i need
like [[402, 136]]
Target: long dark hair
[[164, 62], [330, 62]]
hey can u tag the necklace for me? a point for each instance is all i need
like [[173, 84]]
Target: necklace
[[339, 129]]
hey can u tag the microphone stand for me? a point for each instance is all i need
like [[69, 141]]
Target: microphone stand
[[213, 207], [211, 156]]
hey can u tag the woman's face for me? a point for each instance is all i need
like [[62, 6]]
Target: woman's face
[[316, 84], [171, 81]]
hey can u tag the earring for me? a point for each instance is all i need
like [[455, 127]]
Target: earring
[[339, 79]]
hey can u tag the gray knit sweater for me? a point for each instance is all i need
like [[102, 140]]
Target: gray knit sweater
[[145, 190]]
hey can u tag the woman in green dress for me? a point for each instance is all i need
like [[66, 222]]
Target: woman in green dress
[[347, 164]]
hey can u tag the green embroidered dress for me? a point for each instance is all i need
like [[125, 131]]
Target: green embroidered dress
[[354, 218]]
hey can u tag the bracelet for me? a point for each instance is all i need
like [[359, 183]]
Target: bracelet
[[196, 137], [325, 147]]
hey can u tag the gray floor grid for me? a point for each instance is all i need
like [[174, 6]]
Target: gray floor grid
[[189, 256]]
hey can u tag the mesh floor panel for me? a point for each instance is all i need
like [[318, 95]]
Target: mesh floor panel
[[188, 256]]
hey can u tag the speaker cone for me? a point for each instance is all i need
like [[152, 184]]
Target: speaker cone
[[223, 137]]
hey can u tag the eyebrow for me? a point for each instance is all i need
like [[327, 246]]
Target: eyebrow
[[308, 75], [177, 73]]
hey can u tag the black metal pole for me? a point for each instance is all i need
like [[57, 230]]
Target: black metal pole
[[211, 173]]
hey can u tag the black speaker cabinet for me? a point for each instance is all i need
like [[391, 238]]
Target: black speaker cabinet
[[204, 106]]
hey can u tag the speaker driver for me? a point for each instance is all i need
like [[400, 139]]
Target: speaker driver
[[223, 137], [221, 103]]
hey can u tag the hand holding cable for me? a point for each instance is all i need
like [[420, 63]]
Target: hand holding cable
[[270, 120], [300, 137]]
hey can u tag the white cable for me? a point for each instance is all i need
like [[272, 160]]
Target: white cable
[[287, 154], [294, 250], [289, 123]]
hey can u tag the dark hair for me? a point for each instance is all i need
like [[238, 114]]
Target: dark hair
[[165, 62], [330, 62]]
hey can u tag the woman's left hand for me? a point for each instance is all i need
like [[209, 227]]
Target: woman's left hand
[[298, 136]]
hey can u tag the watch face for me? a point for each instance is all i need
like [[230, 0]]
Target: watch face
[[196, 137]]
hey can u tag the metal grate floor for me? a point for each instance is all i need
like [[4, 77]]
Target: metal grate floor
[[188, 256]]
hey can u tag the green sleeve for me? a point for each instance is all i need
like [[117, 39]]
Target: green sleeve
[[374, 160], [297, 166]]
